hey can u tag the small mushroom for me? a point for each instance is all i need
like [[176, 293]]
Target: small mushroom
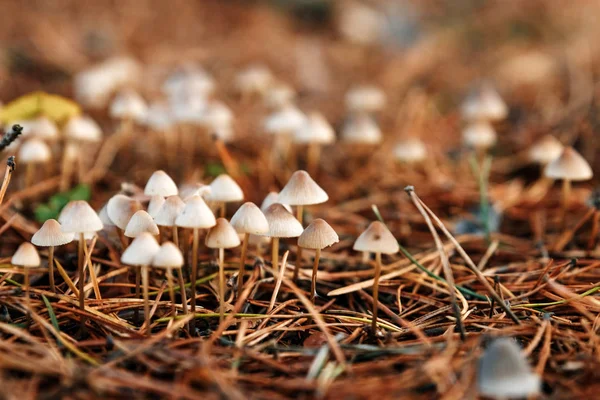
[[26, 257], [51, 235], [168, 213], [282, 224], [315, 132], [168, 257], [32, 153], [223, 190]]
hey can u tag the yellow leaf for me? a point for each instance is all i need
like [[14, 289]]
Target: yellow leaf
[[55, 107]]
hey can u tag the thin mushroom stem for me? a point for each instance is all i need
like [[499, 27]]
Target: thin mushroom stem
[[376, 291], [80, 261], [313, 286], [196, 239], [566, 196], [275, 253], [313, 158], [222, 209], [171, 290], [27, 285], [138, 276], [242, 265], [51, 268], [29, 174], [146, 297], [175, 236], [221, 285], [122, 237], [182, 291], [300, 218], [67, 167]]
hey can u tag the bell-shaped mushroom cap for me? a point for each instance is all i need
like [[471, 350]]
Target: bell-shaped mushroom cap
[[158, 117], [167, 215], [318, 235], [272, 198], [83, 129], [141, 251], [254, 79], [225, 189], [50, 234], [155, 204], [286, 120], [103, 214], [128, 104], [361, 129], [160, 184], [545, 150], [377, 239], [410, 150], [26, 256], [570, 165], [484, 103], [365, 98], [189, 79], [504, 372], [120, 209], [279, 95], [222, 236], [301, 189], [196, 214], [282, 223], [315, 129], [249, 219], [79, 217], [34, 151], [479, 135], [44, 128], [168, 256], [139, 223]]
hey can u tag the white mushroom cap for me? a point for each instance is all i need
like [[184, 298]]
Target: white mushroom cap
[[282, 223], [196, 214], [139, 223], [44, 128], [315, 129], [79, 217], [279, 95], [168, 256], [50, 234], [215, 114], [120, 209], [570, 165], [141, 251], [377, 239], [34, 151], [301, 189], [254, 79], [193, 189], [26, 256], [484, 103], [361, 128], [167, 215], [103, 215], [222, 236], [365, 98], [546, 150], [504, 372], [272, 198], [250, 219], [128, 104], [155, 204], [479, 135], [410, 150], [223, 188], [284, 121], [83, 129], [160, 184], [318, 235], [159, 116], [190, 79]]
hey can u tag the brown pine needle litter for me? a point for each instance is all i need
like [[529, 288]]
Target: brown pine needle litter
[[468, 130]]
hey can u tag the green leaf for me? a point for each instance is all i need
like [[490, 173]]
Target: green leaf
[[51, 314], [57, 201], [43, 213], [214, 169]]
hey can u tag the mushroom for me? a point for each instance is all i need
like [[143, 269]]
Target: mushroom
[[79, 218], [484, 104], [168, 257], [282, 224], [272, 198], [301, 190], [248, 220], [168, 213], [315, 132], [26, 257], [365, 99], [504, 373], [223, 190], [569, 166], [120, 209], [479, 135], [318, 235], [361, 129], [195, 215], [128, 106], [189, 80], [32, 153], [376, 239], [44, 128], [281, 124], [140, 253], [255, 79], [222, 236], [160, 184], [78, 131], [51, 235], [545, 150], [155, 204], [279, 95], [410, 150]]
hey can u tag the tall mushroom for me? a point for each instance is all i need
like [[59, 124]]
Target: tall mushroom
[[301, 190], [315, 132], [140, 253], [79, 131], [51, 235], [168, 213], [318, 235], [168, 257], [195, 215], [32, 153], [376, 239], [223, 190], [484, 103], [120, 209], [282, 224], [248, 220], [222, 236], [155, 204], [26, 257]]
